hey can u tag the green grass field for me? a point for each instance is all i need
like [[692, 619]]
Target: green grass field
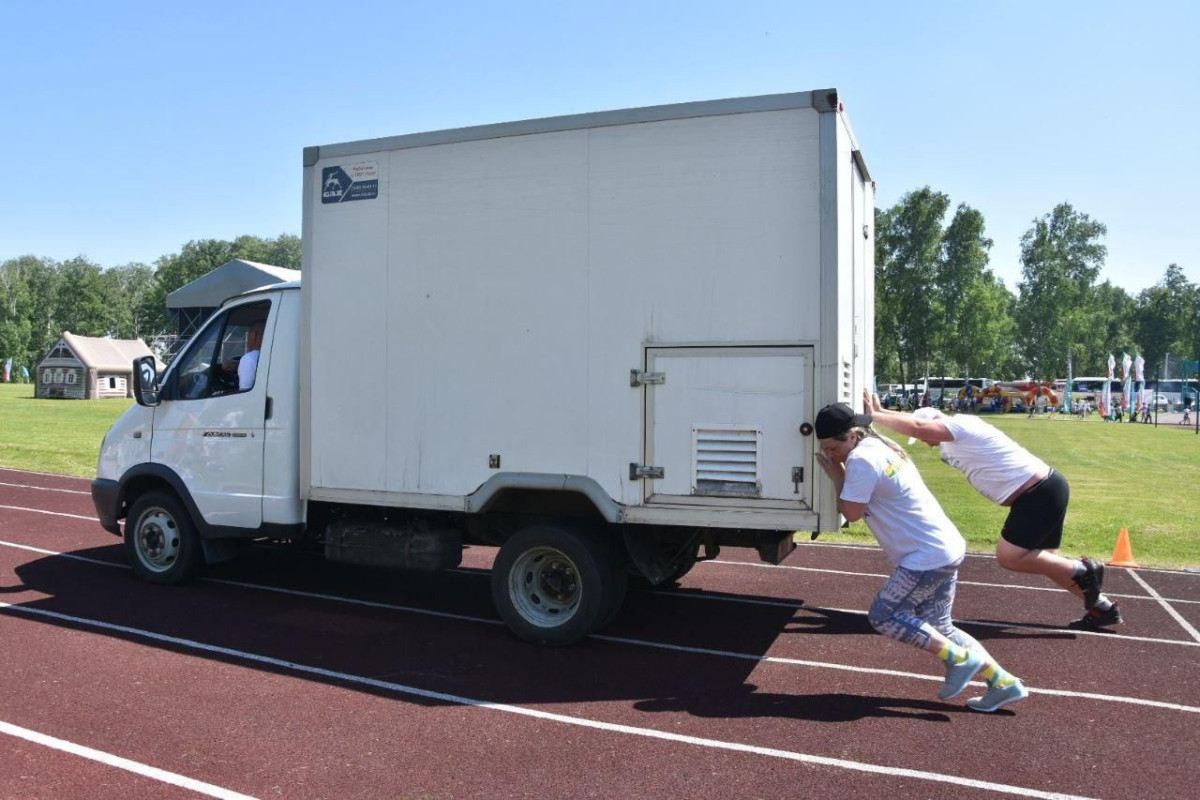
[[1140, 477], [1136, 476], [59, 436]]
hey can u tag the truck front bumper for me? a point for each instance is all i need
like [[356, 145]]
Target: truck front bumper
[[106, 497]]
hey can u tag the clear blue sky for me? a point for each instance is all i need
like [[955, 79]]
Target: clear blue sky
[[130, 128]]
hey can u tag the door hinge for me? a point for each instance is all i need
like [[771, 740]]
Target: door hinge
[[637, 471], [638, 377], [797, 478]]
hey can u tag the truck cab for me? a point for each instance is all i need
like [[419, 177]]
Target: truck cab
[[216, 442]]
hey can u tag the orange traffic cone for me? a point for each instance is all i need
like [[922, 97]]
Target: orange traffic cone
[[1123, 554]]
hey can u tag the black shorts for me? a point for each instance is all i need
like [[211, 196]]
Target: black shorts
[[1035, 519]]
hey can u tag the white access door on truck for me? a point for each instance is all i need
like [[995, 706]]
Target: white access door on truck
[[210, 430], [724, 426]]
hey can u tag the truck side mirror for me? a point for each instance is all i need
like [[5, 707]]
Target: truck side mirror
[[145, 381]]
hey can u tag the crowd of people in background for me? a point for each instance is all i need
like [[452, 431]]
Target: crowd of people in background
[[911, 400]]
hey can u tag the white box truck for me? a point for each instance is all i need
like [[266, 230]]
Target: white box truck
[[597, 342]]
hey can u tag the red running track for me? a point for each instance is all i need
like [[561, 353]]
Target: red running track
[[281, 675]]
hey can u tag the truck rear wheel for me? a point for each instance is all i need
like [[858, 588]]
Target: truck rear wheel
[[160, 540], [554, 586]]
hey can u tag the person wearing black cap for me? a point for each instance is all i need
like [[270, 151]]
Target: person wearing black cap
[[877, 483], [1036, 496]]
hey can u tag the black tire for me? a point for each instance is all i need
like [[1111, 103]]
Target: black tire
[[553, 586], [160, 539]]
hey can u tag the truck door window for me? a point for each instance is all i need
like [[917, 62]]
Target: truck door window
[[211, 365], [240, 343], [195, 371]]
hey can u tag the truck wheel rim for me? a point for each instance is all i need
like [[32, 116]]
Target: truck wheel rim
[[544, 587], [158, 540]]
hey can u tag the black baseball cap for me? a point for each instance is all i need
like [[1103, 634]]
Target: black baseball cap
[[837, 418]]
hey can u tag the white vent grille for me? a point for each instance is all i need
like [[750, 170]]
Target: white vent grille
[[725, 460], [846, 382]]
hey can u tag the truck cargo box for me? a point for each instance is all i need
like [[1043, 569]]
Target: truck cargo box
[[647, 305]]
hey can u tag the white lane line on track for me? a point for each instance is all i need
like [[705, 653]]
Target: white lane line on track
[[1064, 632], [1182, 622], [884, 576], [583, 722], [111, 760], [677, 648], [42, 488], [875, 548], [50, 513], [746, 564], [894, 673], [790, 604]]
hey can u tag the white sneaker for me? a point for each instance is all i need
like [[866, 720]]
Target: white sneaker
[[997, 697]]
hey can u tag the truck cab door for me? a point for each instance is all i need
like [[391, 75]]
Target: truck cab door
[[210, 426]]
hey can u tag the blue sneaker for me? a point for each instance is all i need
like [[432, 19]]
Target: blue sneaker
[[959, 675], [998, 698]]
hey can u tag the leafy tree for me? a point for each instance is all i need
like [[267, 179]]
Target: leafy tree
[[908, 240], [1110, 329], [985, 334], [130, 288], [15, 327], [1191, 326], [196, 259], [41, 279], [81, 302], [40, 298], [200, 257], [1166, 315], [281, 252], [1061, 257], [963, 265]]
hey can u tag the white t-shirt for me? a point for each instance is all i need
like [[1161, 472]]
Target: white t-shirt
[[907, 521], [247, 366], [993, 463]]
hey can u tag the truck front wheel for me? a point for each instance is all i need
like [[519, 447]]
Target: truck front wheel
[[554, 586], [160, 540]]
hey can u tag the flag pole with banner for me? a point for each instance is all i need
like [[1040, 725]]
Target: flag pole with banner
[[1127, 383], [1139, 375], [1106, 392], [1067, 406]]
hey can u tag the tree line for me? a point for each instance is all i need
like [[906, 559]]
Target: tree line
[[40, 297], [939, 309]]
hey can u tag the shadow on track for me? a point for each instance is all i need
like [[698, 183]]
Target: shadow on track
[[472, 657], [843, 623], [748, 702]]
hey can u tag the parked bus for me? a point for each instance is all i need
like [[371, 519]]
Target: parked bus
[[1092, 389], [953, 387], [1178, 392]]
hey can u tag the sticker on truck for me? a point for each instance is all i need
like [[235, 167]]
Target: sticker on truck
[[353, 182]]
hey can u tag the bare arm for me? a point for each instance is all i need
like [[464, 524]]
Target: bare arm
[[929, 431], [837, 473]]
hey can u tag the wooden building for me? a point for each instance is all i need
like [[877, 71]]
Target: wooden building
[[88, 368]]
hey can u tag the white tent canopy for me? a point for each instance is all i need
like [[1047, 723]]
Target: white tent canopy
[[226, 281]]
